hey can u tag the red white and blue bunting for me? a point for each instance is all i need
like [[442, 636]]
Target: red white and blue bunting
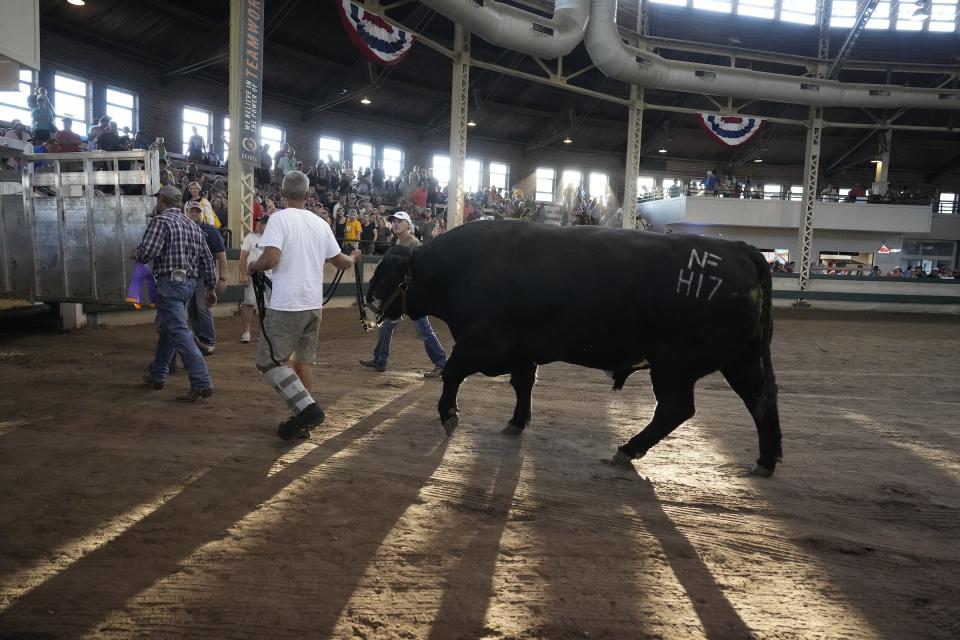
[[376, 38], [730, 130]]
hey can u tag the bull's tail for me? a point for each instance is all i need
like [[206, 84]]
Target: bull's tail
[[766, 318], [766, 413]]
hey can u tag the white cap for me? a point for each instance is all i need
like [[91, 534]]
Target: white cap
[[400, 215]]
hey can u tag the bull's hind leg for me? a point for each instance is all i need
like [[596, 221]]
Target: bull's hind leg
[[522, 379], [758, 390], [674, 407]]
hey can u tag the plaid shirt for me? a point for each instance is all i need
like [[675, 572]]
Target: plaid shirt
[[174, 241]]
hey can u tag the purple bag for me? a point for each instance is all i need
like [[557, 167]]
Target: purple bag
[[142, 275]]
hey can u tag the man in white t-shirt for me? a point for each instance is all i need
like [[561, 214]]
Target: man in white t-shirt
[[249, 252], [296, 244]]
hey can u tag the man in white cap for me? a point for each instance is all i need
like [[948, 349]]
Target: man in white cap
[[295, 246], [402, 229]]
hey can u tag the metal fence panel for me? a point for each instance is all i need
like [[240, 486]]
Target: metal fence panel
[[65, 241]]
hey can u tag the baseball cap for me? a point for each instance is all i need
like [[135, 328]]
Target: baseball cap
[[400, 215], [194, 204], [169, 192]]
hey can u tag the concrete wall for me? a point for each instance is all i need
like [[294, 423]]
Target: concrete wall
[[736, 212]]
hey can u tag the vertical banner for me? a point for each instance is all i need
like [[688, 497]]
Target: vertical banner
[[246, 77], [251, 80]]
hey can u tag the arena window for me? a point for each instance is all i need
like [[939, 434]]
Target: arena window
[[392, 162], [943, 16], [441, 169], [675, 3], [569, 178], [499, 175], [947, 204], [843, 13], [598, 186], [272, 136], [122, 108], [646, 181], [881, 17], [772, 191], [13, 104], [756, 8], [724, 6], [332, 147], [800, 12], [796, 192], [472, 175], [226, 138], [545, 177], [71, 97], [361, 155], [198, 118], [905, 18]]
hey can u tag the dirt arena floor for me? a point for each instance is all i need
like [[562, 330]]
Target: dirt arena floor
[[126, 514]]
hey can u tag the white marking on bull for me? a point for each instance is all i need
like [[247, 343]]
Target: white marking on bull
[[681, 281], [719, 281], [708, 259]]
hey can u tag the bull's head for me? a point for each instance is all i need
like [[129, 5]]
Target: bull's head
[[388, 283]]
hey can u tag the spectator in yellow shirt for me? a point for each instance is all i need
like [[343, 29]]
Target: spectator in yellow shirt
[[351, 233]]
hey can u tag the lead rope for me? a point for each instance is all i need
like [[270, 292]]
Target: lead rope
[[260, 284]]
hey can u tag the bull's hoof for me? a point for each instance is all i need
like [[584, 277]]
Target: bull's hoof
[[450, 424], [621, 460], [760, 470], [512, 430]]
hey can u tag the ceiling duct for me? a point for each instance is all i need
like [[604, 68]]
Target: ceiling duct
[[622, 62], [512, 28]]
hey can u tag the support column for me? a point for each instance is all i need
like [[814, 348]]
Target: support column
[[811, 168], [634, 135], [880, 181], [246, 74], [459, 102]]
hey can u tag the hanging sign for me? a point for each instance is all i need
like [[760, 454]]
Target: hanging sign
[[730, 130], [376, 38], [248, 79]]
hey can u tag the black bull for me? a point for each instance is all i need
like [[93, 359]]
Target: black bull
[[516, 295]]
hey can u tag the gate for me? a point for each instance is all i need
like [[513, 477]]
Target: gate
[[68, 235]]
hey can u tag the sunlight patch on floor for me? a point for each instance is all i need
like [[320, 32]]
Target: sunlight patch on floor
[[934, 456], [30, 577], [340, 415]]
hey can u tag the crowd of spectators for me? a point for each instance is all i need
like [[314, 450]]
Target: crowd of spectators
[[851, 268]]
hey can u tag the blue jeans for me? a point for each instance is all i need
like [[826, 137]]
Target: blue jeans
[[201, 317], [175, 335], [424, 331]]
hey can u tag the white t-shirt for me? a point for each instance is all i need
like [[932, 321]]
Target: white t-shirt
[[251, 244], [306, 242]]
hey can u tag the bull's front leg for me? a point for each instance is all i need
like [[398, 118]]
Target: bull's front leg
[[522, 379], [454, 373]]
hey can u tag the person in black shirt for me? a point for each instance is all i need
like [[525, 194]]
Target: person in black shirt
[[368, 234], [201, 316]]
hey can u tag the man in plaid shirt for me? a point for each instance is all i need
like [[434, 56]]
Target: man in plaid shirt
[[181, 261]]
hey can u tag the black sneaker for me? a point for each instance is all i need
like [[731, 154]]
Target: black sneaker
[[300, 425]]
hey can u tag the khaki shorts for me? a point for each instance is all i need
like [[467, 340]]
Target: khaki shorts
[[289, 332]]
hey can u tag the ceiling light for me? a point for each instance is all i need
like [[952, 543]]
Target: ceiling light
[[471, 123], [77, 3], [876, 161], [663, 150], [567, 140], [759, 160], [365, 100]]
